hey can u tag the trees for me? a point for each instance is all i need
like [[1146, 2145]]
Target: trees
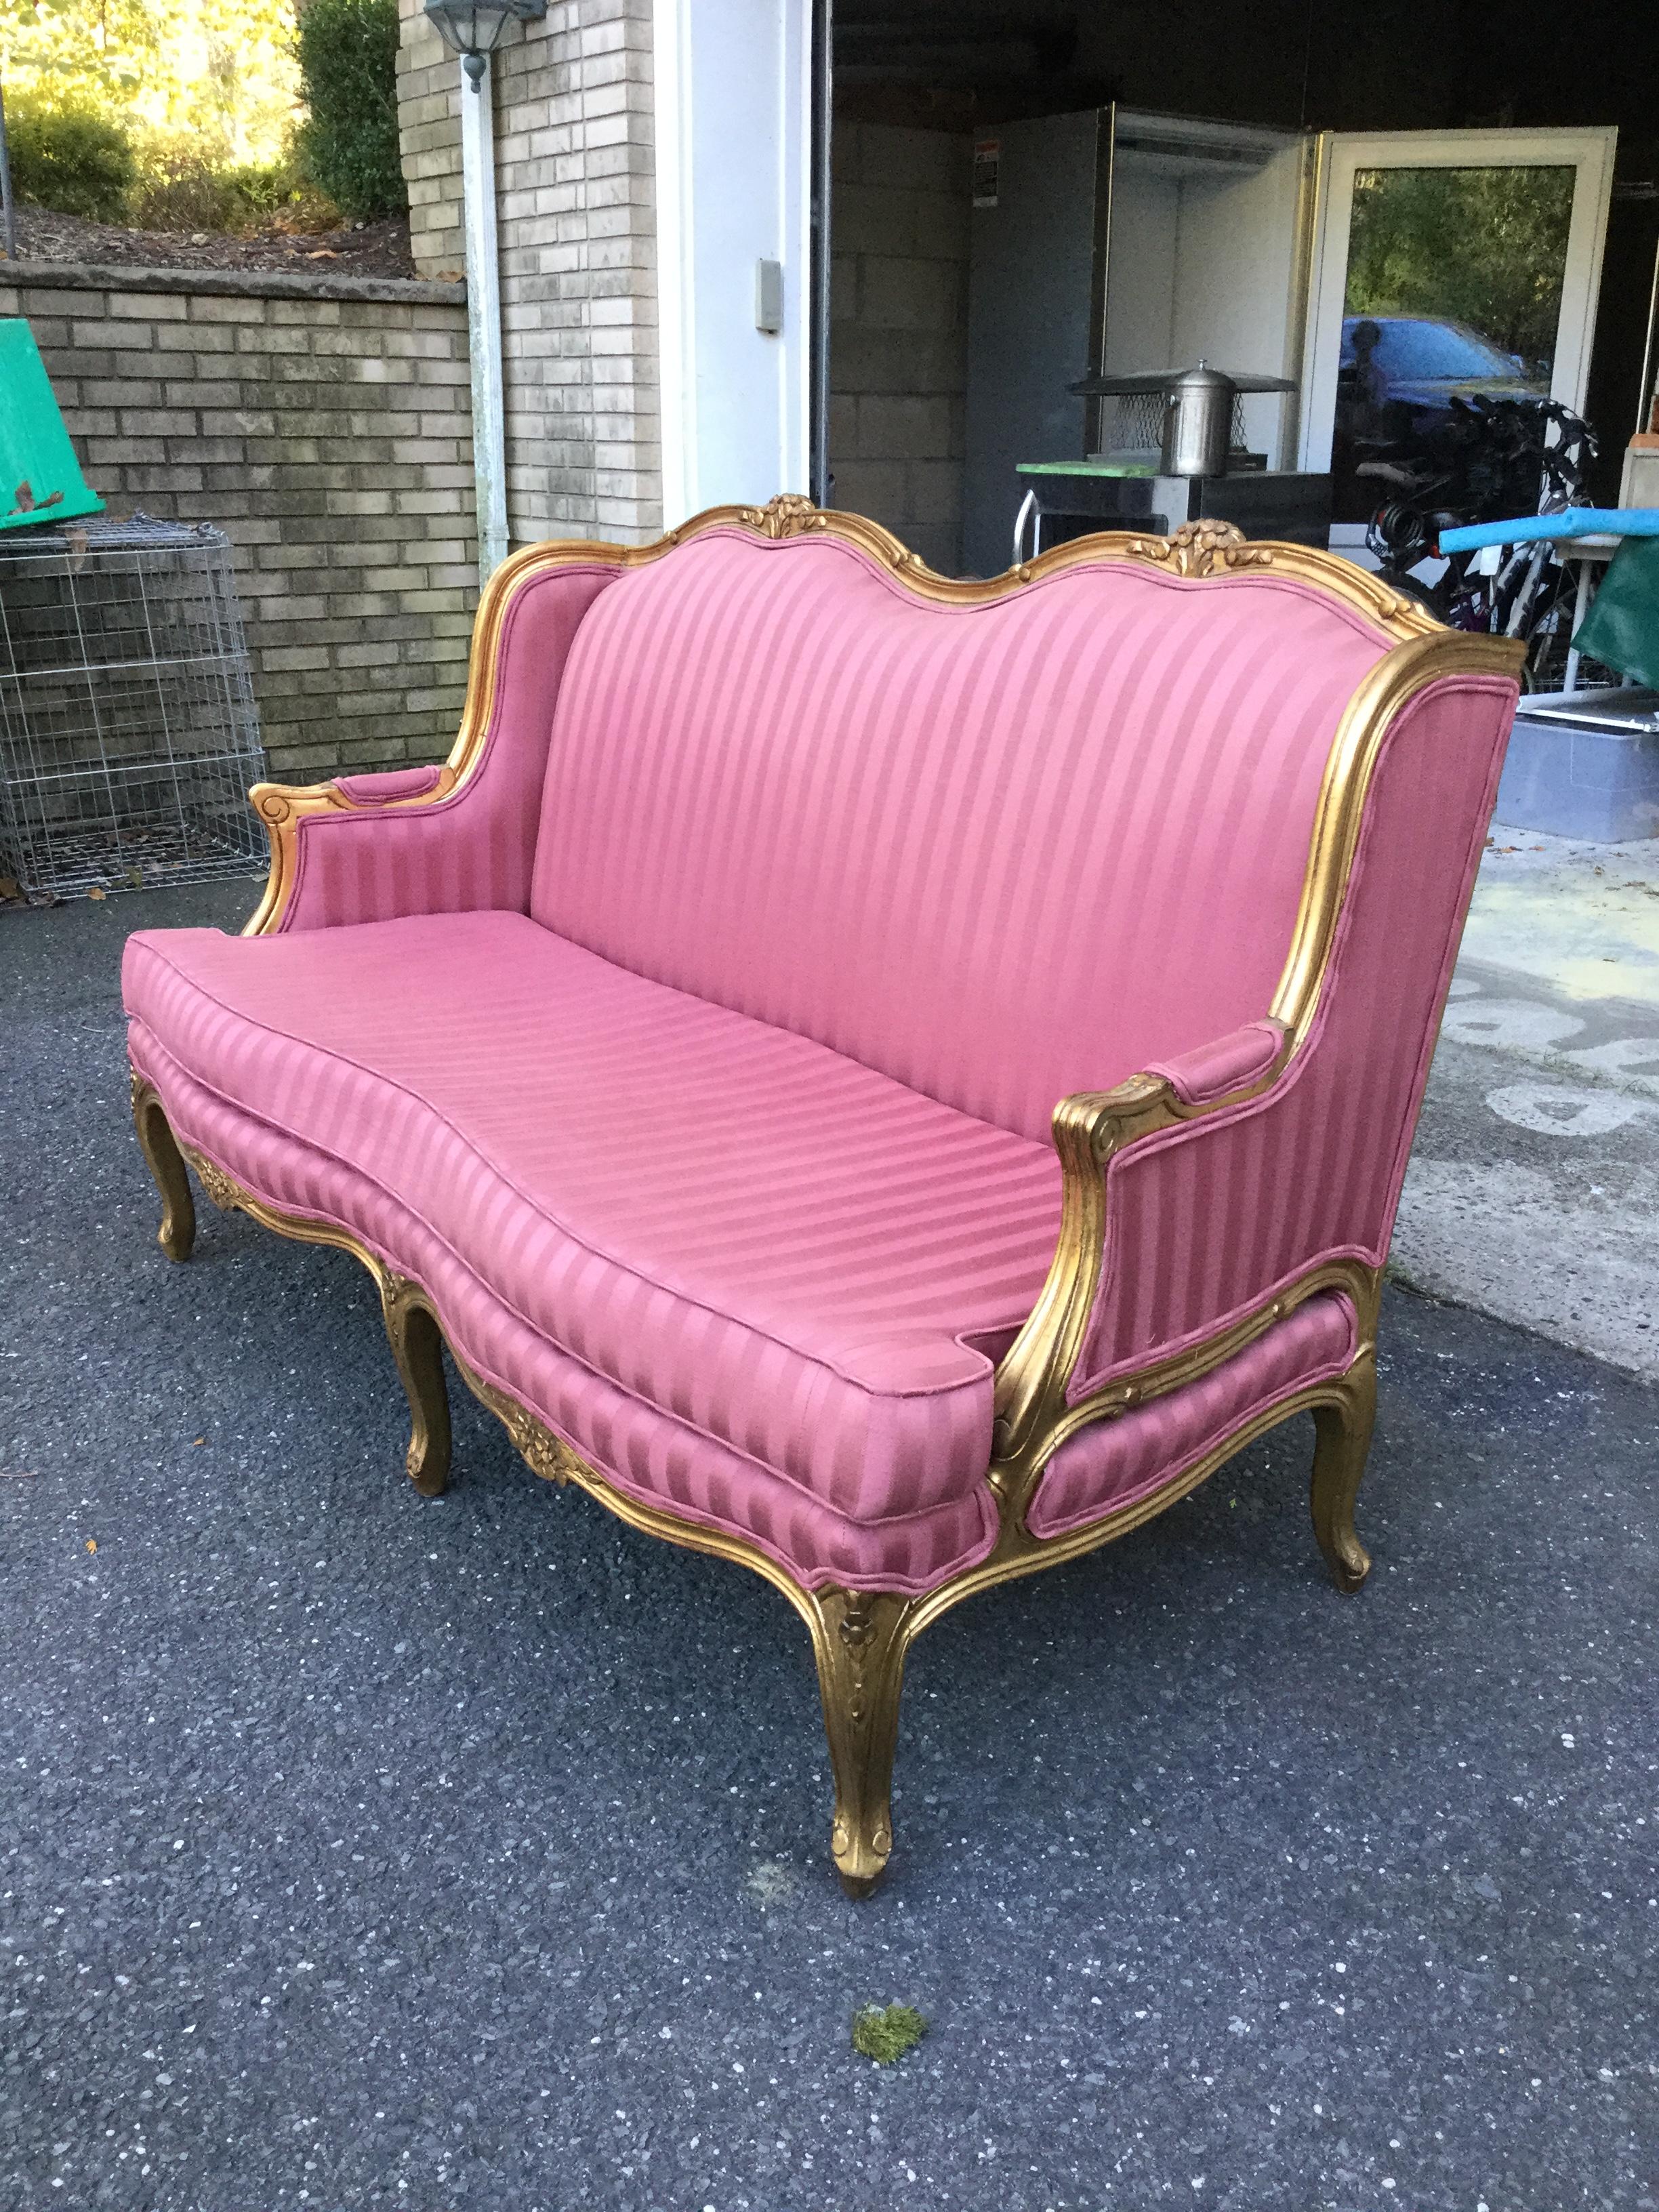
[[220, 73], [186, 113], [1485, 246]]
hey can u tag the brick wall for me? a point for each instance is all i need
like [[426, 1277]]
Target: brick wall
[[325, 424], [898, 356], [575, 212], [429, 140]]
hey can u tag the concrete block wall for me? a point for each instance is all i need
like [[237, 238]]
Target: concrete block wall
[[324, 423], [576, 216], [898, 352]]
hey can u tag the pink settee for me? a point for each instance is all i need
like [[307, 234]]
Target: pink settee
[[684, 1053]]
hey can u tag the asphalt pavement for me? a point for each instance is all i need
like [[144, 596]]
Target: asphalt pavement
[[359, 1850]]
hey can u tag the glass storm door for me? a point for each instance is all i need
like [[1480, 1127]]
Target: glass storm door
[[1444, 262]]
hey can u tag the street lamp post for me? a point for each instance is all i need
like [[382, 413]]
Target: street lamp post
[[473, 30]]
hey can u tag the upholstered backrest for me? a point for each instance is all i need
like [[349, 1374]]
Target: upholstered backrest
[[1000, 851]]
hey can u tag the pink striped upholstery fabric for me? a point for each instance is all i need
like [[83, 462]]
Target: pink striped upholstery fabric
[[474, 848], [383, 786], [1206, 1222], [1116, 1462], [793, 1257], [1000, 853], [649, 1454], [1213, 1070], [711, 1105]]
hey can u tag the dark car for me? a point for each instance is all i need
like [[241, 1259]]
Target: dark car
[[1423, 362]]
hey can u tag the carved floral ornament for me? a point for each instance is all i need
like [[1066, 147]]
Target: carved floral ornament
[[542, 1452], [787, 514], [225, 1194], [1206, 548]]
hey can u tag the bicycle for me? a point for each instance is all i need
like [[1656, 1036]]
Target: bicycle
[[1490, 458]]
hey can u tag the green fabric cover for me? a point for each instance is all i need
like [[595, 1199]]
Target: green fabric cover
[[40, 479], [1621, 629]]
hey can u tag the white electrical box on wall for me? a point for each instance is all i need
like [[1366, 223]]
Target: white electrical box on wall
[[769, 297]]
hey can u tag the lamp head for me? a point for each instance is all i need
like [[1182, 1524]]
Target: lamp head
[[473, 28]]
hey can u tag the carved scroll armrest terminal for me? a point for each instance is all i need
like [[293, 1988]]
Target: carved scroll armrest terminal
[[286, 809]]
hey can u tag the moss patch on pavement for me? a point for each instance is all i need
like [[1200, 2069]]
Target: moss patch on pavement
[[886, 2034]]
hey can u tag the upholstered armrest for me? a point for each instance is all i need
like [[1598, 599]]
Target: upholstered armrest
[[1242, 1057], [1211, 1193], [462, 835], [1092, 1130], [385, 786]]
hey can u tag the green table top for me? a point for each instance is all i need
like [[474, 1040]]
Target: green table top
[[1085, 468]]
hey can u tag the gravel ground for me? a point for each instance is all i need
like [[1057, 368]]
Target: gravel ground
[[364, 1850], [370, 249]]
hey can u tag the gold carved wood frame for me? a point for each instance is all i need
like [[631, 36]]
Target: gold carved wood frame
[[860, 1638]]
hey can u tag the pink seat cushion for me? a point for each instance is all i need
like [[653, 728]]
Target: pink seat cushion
[[1001, 852], [788, 1253]]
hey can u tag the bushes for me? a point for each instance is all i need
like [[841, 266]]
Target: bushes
[[349, 62], [80, 159], [81, 162], [73, 159], [179, 188]]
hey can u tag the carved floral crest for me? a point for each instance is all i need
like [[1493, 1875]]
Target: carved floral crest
[[1208, 547], [787, 514]]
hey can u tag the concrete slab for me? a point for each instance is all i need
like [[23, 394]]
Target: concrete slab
[[1533, 1192], [1581, 918]]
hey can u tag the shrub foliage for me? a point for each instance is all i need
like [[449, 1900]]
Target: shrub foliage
[[348, 65], [180, 187], [70, 158]]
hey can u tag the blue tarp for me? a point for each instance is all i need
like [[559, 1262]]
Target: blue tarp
[[1572, 522]]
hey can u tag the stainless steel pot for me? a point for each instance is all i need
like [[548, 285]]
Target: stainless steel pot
[[1197, 424]]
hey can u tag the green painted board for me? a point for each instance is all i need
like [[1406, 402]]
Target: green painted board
[[40, 479]]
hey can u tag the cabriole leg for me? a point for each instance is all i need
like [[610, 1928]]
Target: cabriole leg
[[860, 1645], [417, 1347], [1344, 1438], [177, 1233]]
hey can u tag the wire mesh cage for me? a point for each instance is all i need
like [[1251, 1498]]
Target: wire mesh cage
[[128, 734], [1133, 424]]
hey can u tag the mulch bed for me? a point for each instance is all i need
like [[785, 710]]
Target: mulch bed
[[368, 249]]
